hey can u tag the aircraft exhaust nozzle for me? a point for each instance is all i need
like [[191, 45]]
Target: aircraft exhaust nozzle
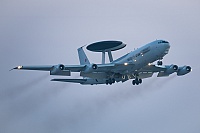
[[94, 66], [61, 66], [175, 67], [90, 68]]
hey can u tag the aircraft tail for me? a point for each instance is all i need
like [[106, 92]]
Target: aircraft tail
[[82, 57]]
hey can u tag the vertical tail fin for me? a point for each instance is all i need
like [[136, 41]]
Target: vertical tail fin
[[82, 56]]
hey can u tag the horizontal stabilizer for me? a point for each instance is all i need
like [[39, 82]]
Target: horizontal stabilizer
[[81, 81]]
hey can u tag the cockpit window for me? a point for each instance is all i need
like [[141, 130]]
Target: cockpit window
[[165, 42], [162, 42]]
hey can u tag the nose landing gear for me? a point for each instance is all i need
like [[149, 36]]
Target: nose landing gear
[[159, 63], [137, 81]]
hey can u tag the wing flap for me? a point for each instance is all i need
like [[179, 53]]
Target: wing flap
[[145, 75], [73, 68], [162, 74], [153, 68]]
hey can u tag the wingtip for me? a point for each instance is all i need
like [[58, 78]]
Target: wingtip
[[11, 69], [18, 67], [53, 80]]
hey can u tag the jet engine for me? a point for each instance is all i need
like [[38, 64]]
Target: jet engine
[[170, 69], [90, 68], [184, 70], [59, 70]]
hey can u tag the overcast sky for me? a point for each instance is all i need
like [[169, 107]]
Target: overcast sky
[[45, 32]]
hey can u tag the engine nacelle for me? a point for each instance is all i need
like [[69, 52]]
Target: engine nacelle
[[59, 70], [170, 69], [90, 68], [184, 70]]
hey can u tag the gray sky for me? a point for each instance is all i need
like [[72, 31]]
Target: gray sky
[[49, 32]]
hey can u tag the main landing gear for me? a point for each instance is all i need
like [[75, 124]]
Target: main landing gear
[[110, 81], [159, 63], [137, 81]]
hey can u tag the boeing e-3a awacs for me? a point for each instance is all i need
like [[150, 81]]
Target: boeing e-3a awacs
[[135, 65]]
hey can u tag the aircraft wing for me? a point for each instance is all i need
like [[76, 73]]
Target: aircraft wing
[[73, 68], [61, 70], [162, 70], [66, 70], [78, 68]]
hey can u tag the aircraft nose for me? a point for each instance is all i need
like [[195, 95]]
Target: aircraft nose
[[167, 45]]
